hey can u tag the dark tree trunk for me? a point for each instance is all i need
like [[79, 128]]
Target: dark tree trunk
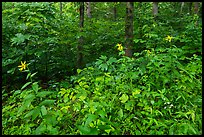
[[129, 29], [80, 46]]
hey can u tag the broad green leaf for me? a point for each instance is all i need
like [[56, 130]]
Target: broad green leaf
[[54, 131], [35, 86], [192, 129], [26, 85], [137, 91], [30, 113], [140, 104], [86, 86], [171, 130], [49, 127], [79, 70], [29, 97], [20, 38], [25, 105], [104, 127], [82, 97], [47, 102], [17, 92], [100, 78], [129, 105], [84, 130], [94, 131], [102, 113], [106, 120], [90, 118], [137, 132], [124, 98], [36, 112], [43, 110], [40, 129], [99, 62], [23, 26], [103, 57], [103, 67], [111, 60], [21, 109], [152, 102], [43, 93], [120, 113], [185, 128]]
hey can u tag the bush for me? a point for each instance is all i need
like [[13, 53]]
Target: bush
[[156, 92]]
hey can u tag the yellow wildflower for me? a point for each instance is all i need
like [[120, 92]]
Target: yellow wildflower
[[168, 38], [120, 47], [22, 66]]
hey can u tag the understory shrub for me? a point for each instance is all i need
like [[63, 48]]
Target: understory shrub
[[156, 92]]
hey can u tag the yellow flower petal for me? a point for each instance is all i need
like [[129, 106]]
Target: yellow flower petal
[[168, 38], [22, 66], [120, 47]]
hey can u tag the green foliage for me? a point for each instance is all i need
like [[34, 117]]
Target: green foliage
[[153, 92], [30, 23], [156, 92]]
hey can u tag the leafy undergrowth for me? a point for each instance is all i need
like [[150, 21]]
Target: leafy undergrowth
[[157, 92]]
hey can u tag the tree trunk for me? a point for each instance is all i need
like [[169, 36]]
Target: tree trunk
[[201, 7], [196, 6], [80, 46], [155, 9], [182, 5], [129, 29], [88, 9]]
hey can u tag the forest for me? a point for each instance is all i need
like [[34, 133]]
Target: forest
[[101, 68]]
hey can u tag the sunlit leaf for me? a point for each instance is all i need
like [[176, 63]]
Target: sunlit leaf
[[35, 86], [47, 102], [36, 112], [90, 118], [43, 110], [25, 85], [124, 98], [30, 113], [120, 113]]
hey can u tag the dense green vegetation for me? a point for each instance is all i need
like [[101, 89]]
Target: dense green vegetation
[[157, 91]]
